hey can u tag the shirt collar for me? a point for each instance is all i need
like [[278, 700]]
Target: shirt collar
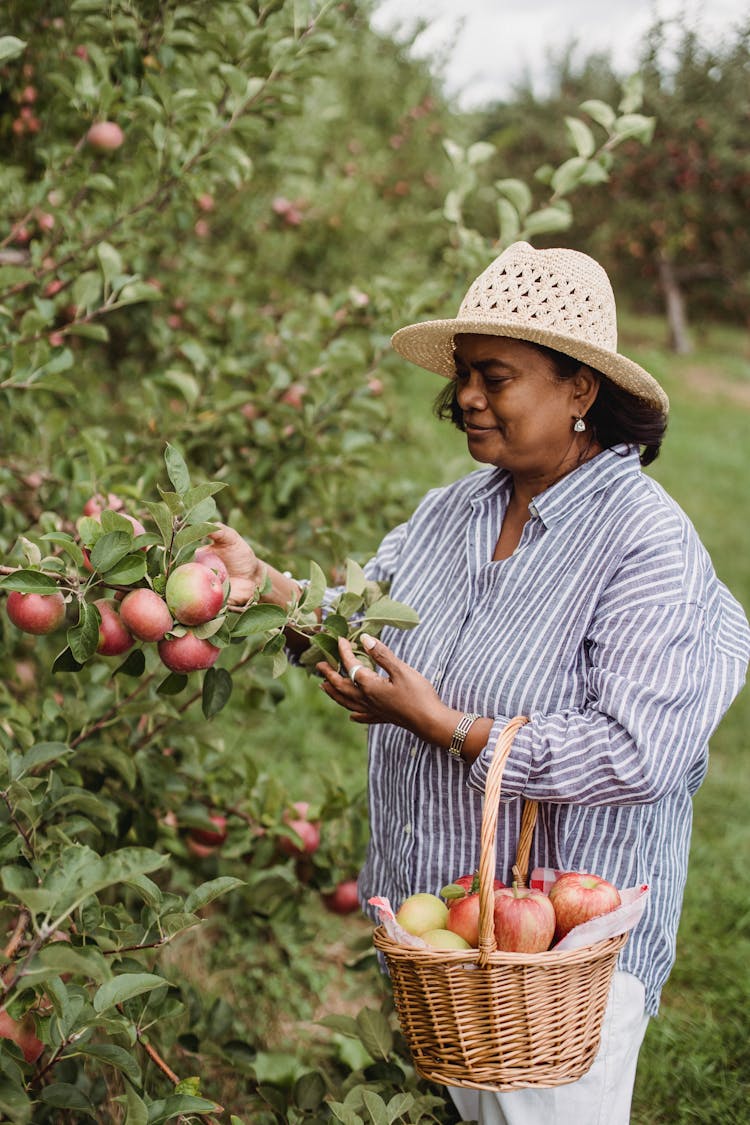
[[574, 489]]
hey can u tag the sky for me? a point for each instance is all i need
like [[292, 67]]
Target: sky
[[488, 45]]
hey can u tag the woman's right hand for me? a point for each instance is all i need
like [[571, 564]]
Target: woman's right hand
[[246, 571]]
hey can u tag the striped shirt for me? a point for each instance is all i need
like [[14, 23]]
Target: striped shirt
[[609, 628]]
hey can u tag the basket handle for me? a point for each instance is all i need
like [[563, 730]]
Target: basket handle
[[488, 849]]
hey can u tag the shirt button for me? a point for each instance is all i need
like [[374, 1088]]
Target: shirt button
[[413, 751], [534, 511], [407, 830]]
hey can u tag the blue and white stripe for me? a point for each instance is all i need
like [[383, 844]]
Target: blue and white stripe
[[609, 628]]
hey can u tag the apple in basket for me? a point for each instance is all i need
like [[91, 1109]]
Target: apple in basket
[[462, 897], [421, 912], [578, 897], [524, 920], [444, 939]]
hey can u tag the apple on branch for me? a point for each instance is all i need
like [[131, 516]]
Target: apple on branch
[[36, 613]]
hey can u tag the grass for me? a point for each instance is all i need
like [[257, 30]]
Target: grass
[[695, 1062]]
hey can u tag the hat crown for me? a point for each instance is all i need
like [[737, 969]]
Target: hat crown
[[559, 291]]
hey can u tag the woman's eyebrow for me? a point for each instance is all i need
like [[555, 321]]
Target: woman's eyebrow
[[482, 365]]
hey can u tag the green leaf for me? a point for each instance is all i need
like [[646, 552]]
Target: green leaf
[[125, 987], [480, 152], [309, 1090], [581, 135], [134, 664], [508, 220], [217, 688], [41, 755], [312, 597], [87, 290], [109, 549], [634, 125], [355, 578], [136, 1108], [67, 544], [259, 618], [568, 175], [162, 517], [546, 220], [176, 1105], [61, 1095], [110, 261], [375, 1032], [117, 1057], [207, 892], [632, 96], [10, 48], [83, 638], [174, 683], [599, 112], [386, 611], [29, 582], [344, 1025], [89, 332], [375, 1107], [128, 571], [399, 1106], [66, 662], [137, 291], [517, 192], [62, 957], [177, 470]]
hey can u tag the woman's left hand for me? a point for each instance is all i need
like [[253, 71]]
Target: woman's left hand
[[403, 697]]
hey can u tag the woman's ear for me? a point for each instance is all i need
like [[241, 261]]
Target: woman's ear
[[586, 387]]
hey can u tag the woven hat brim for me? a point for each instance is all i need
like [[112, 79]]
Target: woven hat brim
[[430, 345]]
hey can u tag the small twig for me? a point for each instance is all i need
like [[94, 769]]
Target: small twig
[[113, 711], [17, 936], [16, 823]]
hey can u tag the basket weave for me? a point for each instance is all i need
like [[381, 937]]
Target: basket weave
[[490, 1020]]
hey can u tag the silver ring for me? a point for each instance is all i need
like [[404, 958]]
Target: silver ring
[[353, 673]]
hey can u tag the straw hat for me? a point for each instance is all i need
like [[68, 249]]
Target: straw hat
[[560, 298]]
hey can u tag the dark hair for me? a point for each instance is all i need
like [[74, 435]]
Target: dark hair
[[615, 417]]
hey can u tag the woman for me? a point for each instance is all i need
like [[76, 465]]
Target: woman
[[558, 583]]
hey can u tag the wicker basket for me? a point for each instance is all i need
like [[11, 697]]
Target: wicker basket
[[490, 1020]]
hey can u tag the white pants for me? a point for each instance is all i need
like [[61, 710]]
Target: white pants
[[601, 1097]]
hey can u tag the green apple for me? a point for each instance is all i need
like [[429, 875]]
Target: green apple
[[422, 912]]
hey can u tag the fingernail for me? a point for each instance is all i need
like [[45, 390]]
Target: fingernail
[[368, 642]]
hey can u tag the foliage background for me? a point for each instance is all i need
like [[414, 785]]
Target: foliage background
[[282, 201]]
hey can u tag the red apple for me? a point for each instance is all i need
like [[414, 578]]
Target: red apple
[[420, 912], [294, 395], [343, 899], [308, 831], [146, 615], [105, 136], [114, 637], [198, 849], [212, 837], [96, 504], [206, 556], [194, 593], [23, 1033], [578, 897], [187, 653], [36, 613], [524, 920]]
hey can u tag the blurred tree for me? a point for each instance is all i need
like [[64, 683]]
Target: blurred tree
[[672, 221]]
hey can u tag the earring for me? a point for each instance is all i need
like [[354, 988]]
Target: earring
[[579, 425]]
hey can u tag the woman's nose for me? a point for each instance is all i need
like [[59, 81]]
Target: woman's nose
[[470, 392]]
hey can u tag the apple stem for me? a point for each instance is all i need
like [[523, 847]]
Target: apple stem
[[518, 889]]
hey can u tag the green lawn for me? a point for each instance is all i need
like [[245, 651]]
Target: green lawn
[[696, 1060]]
